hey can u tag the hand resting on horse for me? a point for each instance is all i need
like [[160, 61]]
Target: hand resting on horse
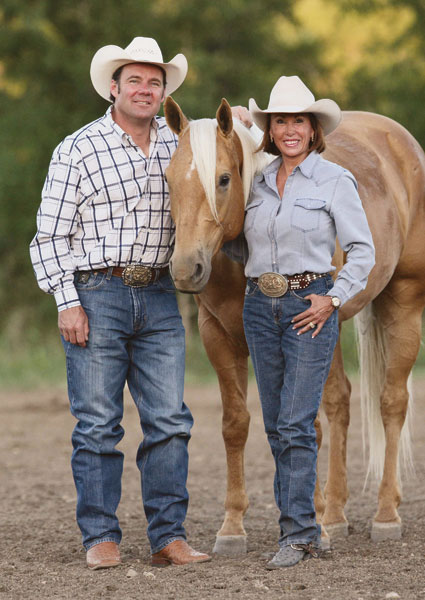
[[243, 114]]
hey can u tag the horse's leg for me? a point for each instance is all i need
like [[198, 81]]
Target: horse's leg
[[399, 310], [319, 500], [336, 403], [230, 364]]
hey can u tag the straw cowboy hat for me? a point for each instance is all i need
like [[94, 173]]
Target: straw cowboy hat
[[141, 50], [290, 95]]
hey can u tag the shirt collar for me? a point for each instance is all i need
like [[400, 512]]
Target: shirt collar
[[306, 167], [308, 164], [125, 136]]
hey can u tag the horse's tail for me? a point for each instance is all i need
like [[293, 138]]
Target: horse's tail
[[373, 359]]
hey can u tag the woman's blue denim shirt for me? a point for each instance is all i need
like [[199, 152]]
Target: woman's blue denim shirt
[[298, 232]]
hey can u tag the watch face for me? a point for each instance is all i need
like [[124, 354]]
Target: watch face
[[336, 302]]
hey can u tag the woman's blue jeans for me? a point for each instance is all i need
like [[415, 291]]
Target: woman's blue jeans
[[136, 337], [291, 371]]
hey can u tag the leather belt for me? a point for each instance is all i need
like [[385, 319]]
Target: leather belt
[[276, 285], [137, 275]]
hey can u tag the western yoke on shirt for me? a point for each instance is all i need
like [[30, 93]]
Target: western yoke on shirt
[[104, 203]]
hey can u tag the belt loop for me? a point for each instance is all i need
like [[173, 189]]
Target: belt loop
[[109, 273]]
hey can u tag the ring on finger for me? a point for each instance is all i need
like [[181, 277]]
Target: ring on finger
[[312, 325]]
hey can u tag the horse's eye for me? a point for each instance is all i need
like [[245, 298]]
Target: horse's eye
[[224, 180]]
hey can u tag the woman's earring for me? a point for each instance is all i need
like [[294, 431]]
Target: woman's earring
[[271, 138], [312, 138]]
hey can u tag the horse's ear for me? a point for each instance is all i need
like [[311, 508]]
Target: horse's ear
[[224, 118], [174, 116]]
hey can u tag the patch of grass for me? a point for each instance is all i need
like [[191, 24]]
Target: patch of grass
[[27, 365], [39, 360]]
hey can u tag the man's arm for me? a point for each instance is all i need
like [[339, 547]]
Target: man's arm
[[56, 222], [50, 249]]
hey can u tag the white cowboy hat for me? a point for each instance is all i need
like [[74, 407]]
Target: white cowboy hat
[[290, 95], [144, 50]]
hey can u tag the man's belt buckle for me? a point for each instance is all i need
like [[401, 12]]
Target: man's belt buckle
[[273, 284], [137, 275]]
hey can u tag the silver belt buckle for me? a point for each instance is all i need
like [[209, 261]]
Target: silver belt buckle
[[273, 284], [137, 275]]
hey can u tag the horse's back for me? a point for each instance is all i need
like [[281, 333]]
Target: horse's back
[[389, 166]]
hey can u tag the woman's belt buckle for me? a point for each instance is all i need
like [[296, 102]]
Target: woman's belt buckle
[[273, 284], [137, 275]]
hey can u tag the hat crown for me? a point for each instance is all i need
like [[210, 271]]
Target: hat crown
[[146, 48], [290, 91], [141, 50], [291, 95]]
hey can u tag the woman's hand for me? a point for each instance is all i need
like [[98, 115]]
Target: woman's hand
[[317, 314], [243, 114]]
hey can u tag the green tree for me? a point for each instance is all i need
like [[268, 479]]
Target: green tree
[[394, 86]]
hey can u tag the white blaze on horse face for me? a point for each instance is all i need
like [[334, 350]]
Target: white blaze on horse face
[[190, 172]]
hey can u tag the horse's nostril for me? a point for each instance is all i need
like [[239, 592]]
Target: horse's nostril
[[199, 271]]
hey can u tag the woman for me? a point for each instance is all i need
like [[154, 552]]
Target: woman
[[297, 207]]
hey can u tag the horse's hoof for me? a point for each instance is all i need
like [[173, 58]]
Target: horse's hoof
[[337, 530], [230, 545], [325, 543], [385, 531]]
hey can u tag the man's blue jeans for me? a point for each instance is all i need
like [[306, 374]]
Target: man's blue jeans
[[291, 371], [136, 336]]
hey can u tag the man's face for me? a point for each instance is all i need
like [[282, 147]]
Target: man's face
[[139, 92]]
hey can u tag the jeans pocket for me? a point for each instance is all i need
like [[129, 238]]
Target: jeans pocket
[[89, 280], [251, 288], [166, 284], [307, 302]]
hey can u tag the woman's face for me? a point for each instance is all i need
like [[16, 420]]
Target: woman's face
[[291, 134]]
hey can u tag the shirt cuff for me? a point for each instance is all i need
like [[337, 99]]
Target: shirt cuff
[[67, 298], [339, 293]]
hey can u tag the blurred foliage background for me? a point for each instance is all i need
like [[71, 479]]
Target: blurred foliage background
[[365, 54]]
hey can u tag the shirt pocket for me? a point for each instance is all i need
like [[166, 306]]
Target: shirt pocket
[[306, 213], [251, 213]]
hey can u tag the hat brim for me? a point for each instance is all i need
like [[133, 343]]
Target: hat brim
[[327, 112], [110, 58]]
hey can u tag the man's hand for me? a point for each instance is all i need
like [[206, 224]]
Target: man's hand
[[74, 325], [317, 314], [243, 114]]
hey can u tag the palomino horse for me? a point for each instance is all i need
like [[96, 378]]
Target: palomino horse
[[209, 177]]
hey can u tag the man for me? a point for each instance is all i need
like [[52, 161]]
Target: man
[[104, 239]]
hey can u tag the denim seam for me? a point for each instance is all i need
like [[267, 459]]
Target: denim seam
[[290, 443], [166, 543], [100, 541]]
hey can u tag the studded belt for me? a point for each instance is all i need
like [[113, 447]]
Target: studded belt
[[137, 275], [276, 285]]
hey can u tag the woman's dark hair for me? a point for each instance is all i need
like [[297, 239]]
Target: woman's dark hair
[[318, 143], [116, 75]]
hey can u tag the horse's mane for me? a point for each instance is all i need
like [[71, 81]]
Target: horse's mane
[[203, 143]]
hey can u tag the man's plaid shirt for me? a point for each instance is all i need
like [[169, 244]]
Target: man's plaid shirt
[[103, 204]]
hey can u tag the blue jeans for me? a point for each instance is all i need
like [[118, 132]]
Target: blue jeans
[[136, 336], [291, 371]]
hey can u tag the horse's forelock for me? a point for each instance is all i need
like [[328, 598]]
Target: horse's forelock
[[203, 144]]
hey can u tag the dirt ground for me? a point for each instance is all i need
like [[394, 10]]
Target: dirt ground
[[41, 556]]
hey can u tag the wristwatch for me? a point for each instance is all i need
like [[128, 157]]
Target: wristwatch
[[335, 301]]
